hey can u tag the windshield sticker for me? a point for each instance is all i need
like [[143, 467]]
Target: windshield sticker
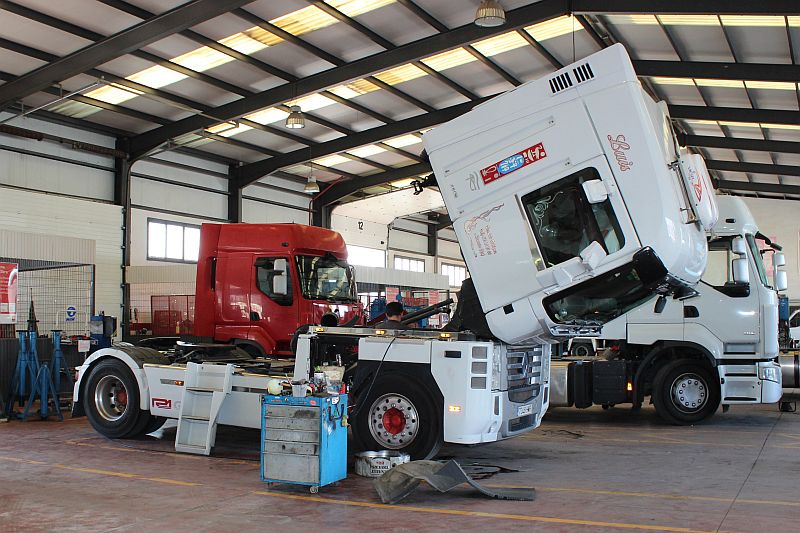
[[618, 145], [481, 238], [513, 163]]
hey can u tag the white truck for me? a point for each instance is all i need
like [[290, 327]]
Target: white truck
[[565, 188], [690, 355]]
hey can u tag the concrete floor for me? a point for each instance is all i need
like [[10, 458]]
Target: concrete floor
[[593, 470]]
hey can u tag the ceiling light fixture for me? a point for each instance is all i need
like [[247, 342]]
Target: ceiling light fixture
[[295, 120], [490, 14], [312, 187]]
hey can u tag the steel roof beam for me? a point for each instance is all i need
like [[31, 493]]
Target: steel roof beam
[[753, 168], [517, 18], [734, 114], [757, 145], [113, 46], [718, 70], [686, 7], [253, 171], [774, 188]]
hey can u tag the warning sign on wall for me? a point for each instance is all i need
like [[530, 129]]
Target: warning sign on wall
[[8, 293]]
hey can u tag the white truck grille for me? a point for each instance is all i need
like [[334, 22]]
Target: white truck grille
[[524, 372]]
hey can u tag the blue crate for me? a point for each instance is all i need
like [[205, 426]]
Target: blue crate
[[303, 440]]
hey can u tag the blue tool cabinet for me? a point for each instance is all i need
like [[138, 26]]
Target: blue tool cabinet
[[303, 440]]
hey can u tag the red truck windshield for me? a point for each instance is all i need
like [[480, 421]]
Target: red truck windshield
[[325, 278]]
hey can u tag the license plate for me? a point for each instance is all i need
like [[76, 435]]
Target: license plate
[[525, 410]]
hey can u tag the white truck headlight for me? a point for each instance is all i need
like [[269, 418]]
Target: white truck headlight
[[769, 373]]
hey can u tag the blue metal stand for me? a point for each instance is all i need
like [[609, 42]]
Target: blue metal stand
[[24, 374], [58, 365]]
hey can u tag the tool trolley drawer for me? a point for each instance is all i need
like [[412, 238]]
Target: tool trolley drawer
[[304, 440]]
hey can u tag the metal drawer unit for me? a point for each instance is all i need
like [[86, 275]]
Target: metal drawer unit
[[303, 440]]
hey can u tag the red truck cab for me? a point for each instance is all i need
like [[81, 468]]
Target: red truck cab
[[257, 283]]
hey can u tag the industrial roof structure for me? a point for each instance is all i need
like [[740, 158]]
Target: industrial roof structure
[[218, 78]]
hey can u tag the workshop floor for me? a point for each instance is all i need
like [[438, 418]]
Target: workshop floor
[[593, 470]]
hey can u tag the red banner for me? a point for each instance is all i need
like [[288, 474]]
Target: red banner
[[8, 293], [513, 163]]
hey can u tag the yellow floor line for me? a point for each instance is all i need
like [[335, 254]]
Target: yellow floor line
[[98, 471], [479, 514], [653, 495]]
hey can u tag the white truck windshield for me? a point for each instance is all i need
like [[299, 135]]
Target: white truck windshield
[[325, 278]]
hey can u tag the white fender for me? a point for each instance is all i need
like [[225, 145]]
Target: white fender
[[133, 365]]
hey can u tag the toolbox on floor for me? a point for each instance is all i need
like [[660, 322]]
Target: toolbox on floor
[[304, 440]]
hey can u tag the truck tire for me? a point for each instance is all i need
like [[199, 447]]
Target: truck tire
[[581, 349], [111, 401], [399, 414], [685, 392]]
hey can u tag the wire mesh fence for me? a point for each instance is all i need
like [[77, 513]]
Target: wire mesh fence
[[62, 296]]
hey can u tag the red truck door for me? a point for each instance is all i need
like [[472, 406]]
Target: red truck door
[[273, 315], [233, 297]]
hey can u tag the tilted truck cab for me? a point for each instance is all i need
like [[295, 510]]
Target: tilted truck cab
[[571, 201], [256, 283]]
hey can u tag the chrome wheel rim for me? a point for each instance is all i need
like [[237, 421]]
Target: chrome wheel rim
[[393, 421], [110, 398], [689, 392]]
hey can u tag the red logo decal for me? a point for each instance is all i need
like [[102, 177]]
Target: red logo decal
[[513, 163], [162, 403]]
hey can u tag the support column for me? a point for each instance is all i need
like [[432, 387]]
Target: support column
[[234, 195], [122, 197]]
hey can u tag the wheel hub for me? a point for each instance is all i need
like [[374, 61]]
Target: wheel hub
[[393, 421], [689, 392], [110, 398]]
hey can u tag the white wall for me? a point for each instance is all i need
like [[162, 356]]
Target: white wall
[[48, 214], [781, 219]]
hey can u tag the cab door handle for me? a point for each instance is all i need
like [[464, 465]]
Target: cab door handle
[[254, 316]]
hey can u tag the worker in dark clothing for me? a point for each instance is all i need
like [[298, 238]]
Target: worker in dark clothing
[[394, 310]]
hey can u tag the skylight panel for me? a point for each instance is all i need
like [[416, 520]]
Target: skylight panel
[[500, 43], [244, 43], [646, 20], [202, 59], [268, 115], [354, 8], [554, 28], [156, 77], [74, 109], [776, 85], [304, 20], [689, 20], [353, 89], [763, 21], [397, 75], [331, 160], [367, 150], [403, 140], [449, 59]]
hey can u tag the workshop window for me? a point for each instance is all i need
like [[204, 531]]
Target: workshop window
[[455, 274], [361, 255], [172, 241], [407, 263]]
